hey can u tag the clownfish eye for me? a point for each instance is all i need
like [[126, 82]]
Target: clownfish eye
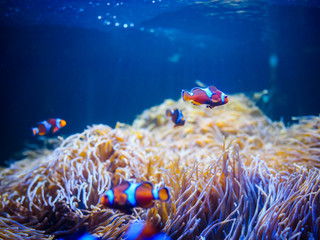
[[225, 97]]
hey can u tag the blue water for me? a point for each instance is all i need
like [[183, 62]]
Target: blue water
[[92, 62]]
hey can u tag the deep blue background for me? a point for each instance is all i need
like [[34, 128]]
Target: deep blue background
[[88, 72]]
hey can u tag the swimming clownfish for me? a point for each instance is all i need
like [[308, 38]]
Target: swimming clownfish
[[144, 231], [129, 195], [81, 234], [51, 125], [210, 96], [176, 116]]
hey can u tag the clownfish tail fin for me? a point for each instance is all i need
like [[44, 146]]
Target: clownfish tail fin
[[163, 194], [186, 96], [168, 113], [35, 131]]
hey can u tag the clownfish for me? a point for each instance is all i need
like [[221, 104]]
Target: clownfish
[[129, 195], [144, 231], [51, 125], [210, 96], [81, 234], [176, 117]]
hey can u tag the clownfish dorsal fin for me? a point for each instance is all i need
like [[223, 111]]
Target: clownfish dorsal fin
[[125, 183], [42, 122], [123, 186], [147, 185], [212, 88], [195, 89]]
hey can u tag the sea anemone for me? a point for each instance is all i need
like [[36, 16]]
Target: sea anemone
[[231, 171]]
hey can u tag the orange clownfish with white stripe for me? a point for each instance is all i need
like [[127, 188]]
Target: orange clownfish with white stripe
[[176, 116], [145, 231], [210, 96], [129, 195], [51, 125]]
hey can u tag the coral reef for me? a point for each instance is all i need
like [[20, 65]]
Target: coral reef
[[232, 174]]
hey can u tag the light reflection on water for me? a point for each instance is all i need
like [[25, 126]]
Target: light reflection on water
[[106, 15]]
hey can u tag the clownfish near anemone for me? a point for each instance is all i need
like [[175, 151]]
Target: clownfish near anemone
[[129, 195], [80, 234], [145, 231], [209, 96], [176, 116], [51, 125]]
